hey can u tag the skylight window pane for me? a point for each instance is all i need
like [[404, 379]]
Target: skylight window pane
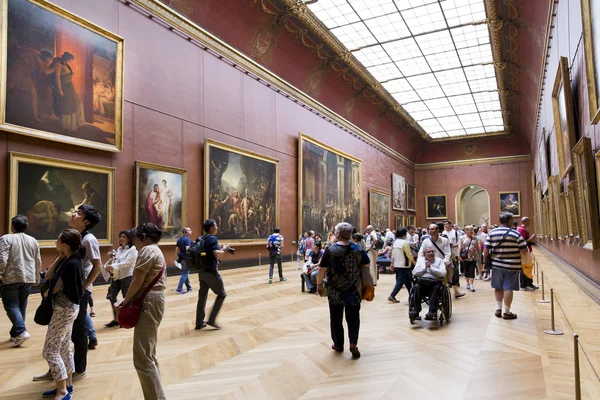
[[403, 49], [425, 18], [408, 67], [444, 60], [388, 27], [417, 106], [384, 72], [373, 8], [431, 93], [374, 55], [354, 36]]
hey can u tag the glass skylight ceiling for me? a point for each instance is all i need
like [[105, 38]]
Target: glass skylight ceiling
[[428, 55]]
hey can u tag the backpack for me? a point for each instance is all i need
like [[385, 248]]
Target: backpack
[[379, 243], [196, 256], [272, 243]]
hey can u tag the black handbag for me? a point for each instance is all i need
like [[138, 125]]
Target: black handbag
[[43, 314]]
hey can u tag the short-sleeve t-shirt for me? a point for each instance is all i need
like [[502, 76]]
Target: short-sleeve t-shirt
[[150, 262], [92, 252], [182, 243], [506, 253], [211, 244]]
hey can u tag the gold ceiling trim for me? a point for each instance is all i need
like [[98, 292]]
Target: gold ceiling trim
[[487, 160]]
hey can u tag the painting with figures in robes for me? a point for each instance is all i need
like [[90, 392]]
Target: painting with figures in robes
[[329, 187], [379, 210], [48, 191], [241, 192], [63, 76], [398, 192], [161, 198]]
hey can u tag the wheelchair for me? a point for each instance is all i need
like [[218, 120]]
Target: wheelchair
[[444, 302]]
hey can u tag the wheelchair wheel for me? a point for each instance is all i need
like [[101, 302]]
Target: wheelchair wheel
[[447, 303], [411, 305]]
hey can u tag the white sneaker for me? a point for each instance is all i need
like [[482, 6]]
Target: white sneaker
[[472, 288], [19, 340], [478, 277], [468, 287]]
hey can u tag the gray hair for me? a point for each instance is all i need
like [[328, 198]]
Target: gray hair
[[505, 217], [345, 230]]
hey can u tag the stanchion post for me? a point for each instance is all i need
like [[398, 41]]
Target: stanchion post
[[552, 331], [259, 260], [576, 364], [543, 300]]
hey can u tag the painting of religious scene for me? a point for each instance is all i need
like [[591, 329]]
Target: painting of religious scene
[[161, 198], [411, 198], [399, 222], [330, 189], [379, 210], [48, 191], [241, 192], [63, 76], [436, 206], [510, 202], [398, 192]]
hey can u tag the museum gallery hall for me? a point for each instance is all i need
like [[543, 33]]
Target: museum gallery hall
[[300, 199]]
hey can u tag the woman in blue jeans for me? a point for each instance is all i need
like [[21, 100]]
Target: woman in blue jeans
[[402, 260]]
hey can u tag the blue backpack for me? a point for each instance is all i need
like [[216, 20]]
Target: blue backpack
[[272, 243]]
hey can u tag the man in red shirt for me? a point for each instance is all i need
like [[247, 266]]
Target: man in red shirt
[[526, 283]]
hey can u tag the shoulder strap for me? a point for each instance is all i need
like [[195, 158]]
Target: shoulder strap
[[500, 242], [436, 246], [151, 285]]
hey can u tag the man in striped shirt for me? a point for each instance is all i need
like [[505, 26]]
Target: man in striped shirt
[[505, 246]]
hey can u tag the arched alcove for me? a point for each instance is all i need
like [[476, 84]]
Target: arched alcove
[[472, 206]]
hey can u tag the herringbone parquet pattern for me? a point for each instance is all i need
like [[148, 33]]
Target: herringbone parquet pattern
[[275, 344]]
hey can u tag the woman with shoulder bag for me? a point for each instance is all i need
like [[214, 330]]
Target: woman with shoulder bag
[[149, 280], [468, 253], [65, 289]]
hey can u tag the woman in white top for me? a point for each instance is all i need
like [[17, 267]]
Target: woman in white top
[[119, 269]]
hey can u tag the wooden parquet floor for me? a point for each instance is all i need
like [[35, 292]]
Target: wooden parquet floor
[[275, 344]]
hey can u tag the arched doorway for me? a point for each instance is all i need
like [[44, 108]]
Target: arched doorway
[[472, 206]]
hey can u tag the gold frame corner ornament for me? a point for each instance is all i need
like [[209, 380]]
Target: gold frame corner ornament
[[164, 168], [587, 196], [518, 192], [427, 196], [562, 80], [119, 73], [15, 158], [210, 143], [591, 50]]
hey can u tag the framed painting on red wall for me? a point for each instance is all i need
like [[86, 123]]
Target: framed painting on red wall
[[510, 202], [436, 206], [564, 120], [587, 195], [411, 198], [399, 222], [411, 220], [398, 192], [62, 76], [379, 209], [590, 14]]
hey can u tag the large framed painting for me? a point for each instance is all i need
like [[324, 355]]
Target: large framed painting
[[329, 187], [411, 198], [49, 190], [543, 162], [399, 222], [587, 196], [161, 196], [510, 202], [241, 192], [564, 121], [573, 208], [398, 192], [379, 209], [436, 206], [590, 12], [62, 76], [411, 220]]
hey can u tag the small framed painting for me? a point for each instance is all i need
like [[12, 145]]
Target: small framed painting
[[510, 202], [379, 209], [411, 220], [399, 221], [411, 197], [436, 206], [398, 192]]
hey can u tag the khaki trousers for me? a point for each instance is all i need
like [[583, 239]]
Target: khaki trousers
[[144, 346], [372, 258]]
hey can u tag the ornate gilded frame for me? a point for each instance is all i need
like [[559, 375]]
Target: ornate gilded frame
[[518, 193], [564, 140], [13, 196], [427, 216], [551, 207], [411, 220], [400, 220], [118, 146], [587, 196], [591, 52], [572, 199], [209, 144], [415, 197], [405, 192], [303, 137], [564, 221], [384, 194], [173, 170], [538, 209]]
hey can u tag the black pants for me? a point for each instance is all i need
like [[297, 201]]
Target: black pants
[[214, 282], [80, 334], [122, 285], [468, 268], [336, 317], [275, 258], [426, 288], [455, 281], [403, 277], [525, 281]]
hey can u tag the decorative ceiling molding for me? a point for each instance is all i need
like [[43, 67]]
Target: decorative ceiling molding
[[488, 160]]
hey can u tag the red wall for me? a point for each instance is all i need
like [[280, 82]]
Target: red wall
[[567, 41]]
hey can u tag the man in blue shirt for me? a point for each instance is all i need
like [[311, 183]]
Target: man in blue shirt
[[183, 244], [274, 245], [209, 276]]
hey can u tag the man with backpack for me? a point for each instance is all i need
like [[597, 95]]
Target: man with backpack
[[274, 245]]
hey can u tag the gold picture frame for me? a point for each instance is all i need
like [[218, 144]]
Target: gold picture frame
[[399, 193], [411, 198], [551, 208], [564, 120], [587, 196], [53, 188], [510, 202], [379, 209], [436, 206], [96, 99], [172, 191], [572, 198], [265, 172], [564, 221], [411, 220], [349, 176], [400, 219], [590, 15]]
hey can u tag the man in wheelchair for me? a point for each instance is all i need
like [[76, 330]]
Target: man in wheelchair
[[429, 273]]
